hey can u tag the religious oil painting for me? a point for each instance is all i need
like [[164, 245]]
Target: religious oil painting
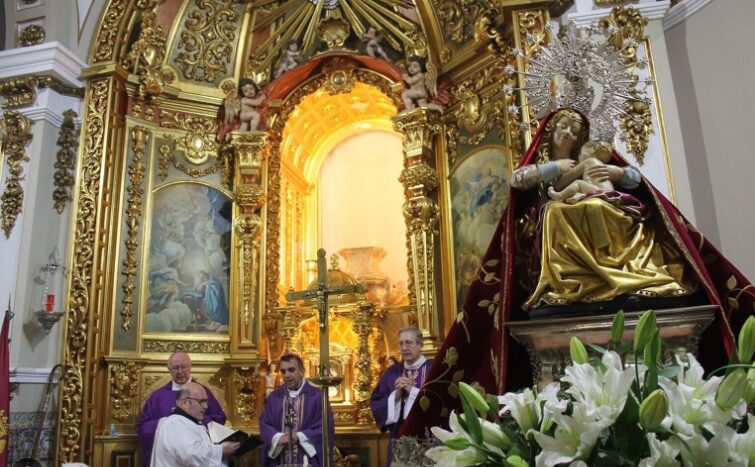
[[189, 260], [479, 193]]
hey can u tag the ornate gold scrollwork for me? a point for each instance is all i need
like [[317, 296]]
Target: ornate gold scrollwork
[[104, 44], [124, 382], [136, 172], [461, 19], [147, 54], [334, 31], [31, 35], [19, 92], [363, 380], [479, 107], [246, 381], [250, 197], [629, 32], [422, 215], [47, 81], [198, 145], [65, 162], [339, 75], [15, 129], [206, 40], [169, 346], [83, 274], [419, 175], [248, 228]]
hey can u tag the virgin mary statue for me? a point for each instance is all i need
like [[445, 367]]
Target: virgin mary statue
[[612, 249]]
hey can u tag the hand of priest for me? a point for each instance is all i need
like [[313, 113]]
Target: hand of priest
[[283, 441], [229, 447]]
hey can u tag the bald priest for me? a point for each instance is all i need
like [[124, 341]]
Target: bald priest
[[162, 403]]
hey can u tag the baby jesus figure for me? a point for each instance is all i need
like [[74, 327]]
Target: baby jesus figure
[[593, 153]]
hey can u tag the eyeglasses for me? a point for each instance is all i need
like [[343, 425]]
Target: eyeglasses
[[407, 343], [179, 367], [198, 401]]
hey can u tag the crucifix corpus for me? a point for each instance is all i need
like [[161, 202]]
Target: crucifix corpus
[[324, 379]]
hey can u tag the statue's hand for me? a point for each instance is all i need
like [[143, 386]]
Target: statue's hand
[[604, 173], [564, 165]]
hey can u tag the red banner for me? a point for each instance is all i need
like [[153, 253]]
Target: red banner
[[4, 390]]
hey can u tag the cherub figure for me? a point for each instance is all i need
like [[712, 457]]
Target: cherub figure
[[240, 110], [593, 153], [290, 58], [423, 84], [373, 39]]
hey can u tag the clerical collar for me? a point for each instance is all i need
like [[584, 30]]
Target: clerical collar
[[175, 386], [420, 361], [293, 393], [181, 412]]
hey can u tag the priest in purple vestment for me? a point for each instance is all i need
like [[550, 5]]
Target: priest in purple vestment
[[291, 424], [162, 402], [397, 389]]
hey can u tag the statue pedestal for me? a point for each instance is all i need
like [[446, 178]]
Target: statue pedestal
[[547, 340]]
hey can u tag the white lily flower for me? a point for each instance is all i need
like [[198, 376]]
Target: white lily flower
[[716, 451], [574, 438], [662, 454], [605, 392], [523, 407], [447, 457], [744, 443], [692, 401]]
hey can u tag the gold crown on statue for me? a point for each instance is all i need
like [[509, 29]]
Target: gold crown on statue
[[581, 70]]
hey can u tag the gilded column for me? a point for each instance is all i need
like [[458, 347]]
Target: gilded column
[[420, 127], [363, 380], [86, 295], [249, 196]]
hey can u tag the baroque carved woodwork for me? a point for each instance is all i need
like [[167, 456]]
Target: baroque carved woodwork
[[65, 162], [15, 133]]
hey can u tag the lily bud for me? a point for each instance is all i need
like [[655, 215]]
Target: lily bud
[[644, 331], [577, 350], [750, 389], [493, 435], [732, 389], [617, 327], [746, 341], [516, 461], [457, 443], [473, 397], [653, 410]]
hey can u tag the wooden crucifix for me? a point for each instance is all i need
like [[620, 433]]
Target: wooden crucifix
[[324, 379]]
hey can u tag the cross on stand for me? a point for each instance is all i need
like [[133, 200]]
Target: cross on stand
[[324, 378]]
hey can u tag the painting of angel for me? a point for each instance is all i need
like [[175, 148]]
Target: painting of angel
[[189, 258]]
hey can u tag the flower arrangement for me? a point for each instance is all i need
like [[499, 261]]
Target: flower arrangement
[[620, 407]]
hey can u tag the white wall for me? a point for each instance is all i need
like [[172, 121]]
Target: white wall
[[713, 68]]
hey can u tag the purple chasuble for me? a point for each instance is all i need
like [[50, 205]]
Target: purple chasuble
[[306, 411], [381, 394], [161, 404]]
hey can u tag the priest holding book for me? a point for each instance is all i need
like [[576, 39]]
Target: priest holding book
[[291, 424], [182, 440]]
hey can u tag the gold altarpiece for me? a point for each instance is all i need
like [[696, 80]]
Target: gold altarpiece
[[158, 73]]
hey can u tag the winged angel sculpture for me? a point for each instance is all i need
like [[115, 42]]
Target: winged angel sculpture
[[422, 78]]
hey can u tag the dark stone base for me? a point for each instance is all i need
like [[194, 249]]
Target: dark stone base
[[627, 303]]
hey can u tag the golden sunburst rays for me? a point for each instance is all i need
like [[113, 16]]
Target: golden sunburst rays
[[276, 23]]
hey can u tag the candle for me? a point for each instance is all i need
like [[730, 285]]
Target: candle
[[50, 303]]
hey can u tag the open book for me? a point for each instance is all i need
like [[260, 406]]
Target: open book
[[219, 434]]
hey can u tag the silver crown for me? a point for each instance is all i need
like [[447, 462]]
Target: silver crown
[[587, 73]]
